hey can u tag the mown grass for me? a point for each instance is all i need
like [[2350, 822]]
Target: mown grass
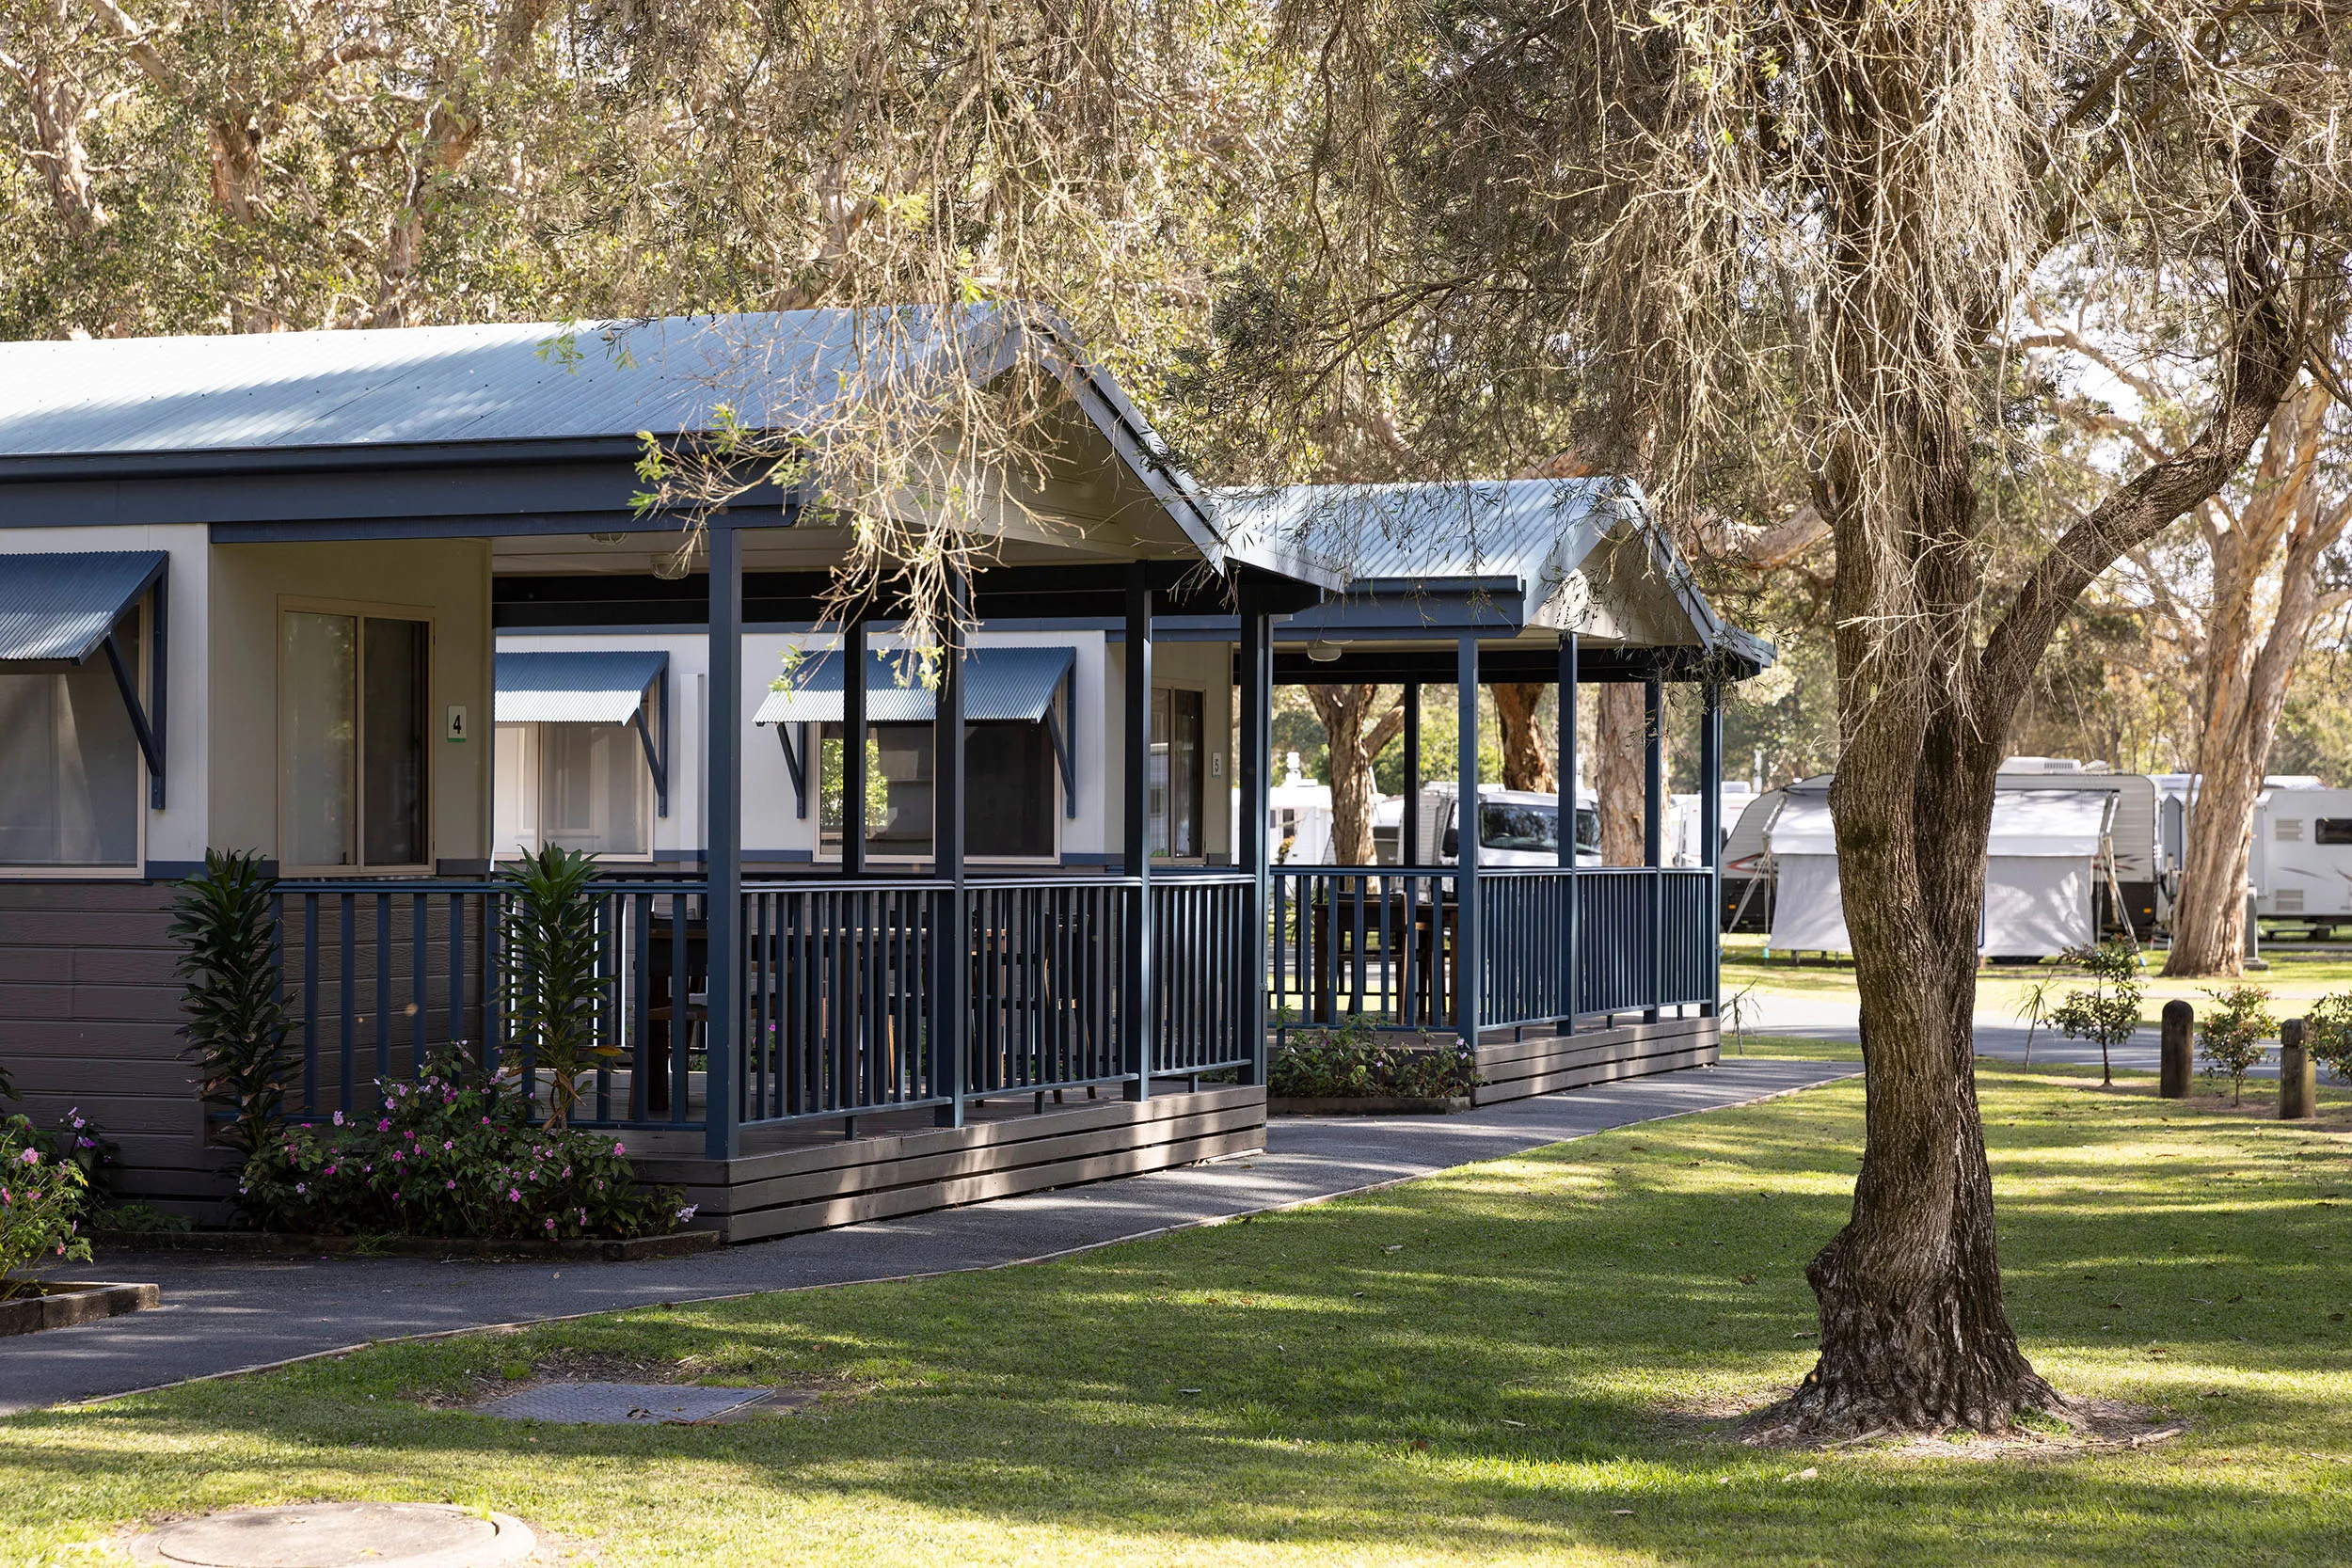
[[1499, 1364]]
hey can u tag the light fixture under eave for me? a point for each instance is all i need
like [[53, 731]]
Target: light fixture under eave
[[1324, 653], [609, 538], [671, 565]]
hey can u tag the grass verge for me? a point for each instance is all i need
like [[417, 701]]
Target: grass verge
[[1523, 1360]]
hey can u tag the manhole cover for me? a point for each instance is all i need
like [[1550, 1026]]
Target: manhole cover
[[622, 1403], [342, 1535]]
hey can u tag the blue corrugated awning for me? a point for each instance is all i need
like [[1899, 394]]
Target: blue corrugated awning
[[59, 608], [1000, 685], [593, 686]]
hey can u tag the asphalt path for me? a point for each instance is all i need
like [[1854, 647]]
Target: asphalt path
[[223, 1314]]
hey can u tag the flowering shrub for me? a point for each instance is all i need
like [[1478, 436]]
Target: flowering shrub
[[40, 1206], [1349, 1063], [446, 1157], [79, 1143]]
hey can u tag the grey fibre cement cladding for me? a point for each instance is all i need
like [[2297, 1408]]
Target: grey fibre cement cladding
[[223, 1314]]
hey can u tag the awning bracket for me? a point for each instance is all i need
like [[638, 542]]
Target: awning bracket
[[656, 763], [150, 735], [1065, 751], [794, 762]]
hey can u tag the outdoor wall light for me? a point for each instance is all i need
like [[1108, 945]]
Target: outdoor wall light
[[1324, 653]]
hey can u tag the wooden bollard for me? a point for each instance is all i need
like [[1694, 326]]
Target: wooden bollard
[[2178, 1036], [2298, 1075]]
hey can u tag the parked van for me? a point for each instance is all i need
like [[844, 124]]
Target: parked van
[[1519, 827], [2301, 864]]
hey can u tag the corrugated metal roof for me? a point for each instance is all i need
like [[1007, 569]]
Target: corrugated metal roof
[[1000, 685], [501, 382], [584, 687], [1531, 535], [59, 607]]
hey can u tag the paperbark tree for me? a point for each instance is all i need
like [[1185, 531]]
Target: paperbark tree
[[1358, 726], [1836, 206]]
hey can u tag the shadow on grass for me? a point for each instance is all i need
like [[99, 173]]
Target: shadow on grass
[[1478, 1366]]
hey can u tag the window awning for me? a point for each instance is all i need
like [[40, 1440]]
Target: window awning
[[57, 610], [1000, 686], [591, 686], [595, 686]]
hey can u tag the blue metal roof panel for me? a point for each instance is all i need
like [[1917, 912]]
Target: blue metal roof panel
[[1394, 535], [585, 686], [499, 382], [1000, 685], [59, 607]]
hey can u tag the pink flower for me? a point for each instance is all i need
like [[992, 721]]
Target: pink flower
[[453, 1186], [513, 1196], [339, 1118], [31, 1157], [620, 1149]]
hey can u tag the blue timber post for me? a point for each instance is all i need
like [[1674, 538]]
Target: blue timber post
[[1654, 830], [952, 947], [1138, 1017], [1711, 835], [1467, 970], [1571, 937], [1257, 767], [1408, 839], [852, 744], [723, 1036]]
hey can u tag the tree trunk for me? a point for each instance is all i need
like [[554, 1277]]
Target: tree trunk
[[1526, 757], [2245, 686], [1356, 738], [1617, 775]]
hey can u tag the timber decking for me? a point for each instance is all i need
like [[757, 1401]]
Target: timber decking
[[1544, 1064], [898, 1164]]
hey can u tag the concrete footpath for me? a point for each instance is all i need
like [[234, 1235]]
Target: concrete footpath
[[224, 1314]]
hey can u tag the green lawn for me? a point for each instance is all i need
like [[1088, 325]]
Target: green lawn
[[1522, 1360], [2292, 979]]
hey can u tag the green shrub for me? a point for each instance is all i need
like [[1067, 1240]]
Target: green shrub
[[237, 1023], [2328, 1034], [449, 1157], [552, 987], [1349, 1063], [41, 1198], [2230, 1034], [2108, 1012], [80, 1143]]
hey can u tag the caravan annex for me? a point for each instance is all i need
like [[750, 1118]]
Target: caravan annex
[[2045, 859]]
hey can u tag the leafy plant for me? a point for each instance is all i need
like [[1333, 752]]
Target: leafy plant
[[2109, 1011], [449, 1156], [2230, 1034], [79, 1143], [1739, 1008], [237, 1021], [1349, 1062], [2328, 1034], [552, 985], [41, 1199], [140, 1218]]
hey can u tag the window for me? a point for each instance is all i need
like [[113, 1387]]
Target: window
[[351, 712], [1176, 778], [1008, 787], [70, 773], [2332, 829], [583, 786], [1503, 825]]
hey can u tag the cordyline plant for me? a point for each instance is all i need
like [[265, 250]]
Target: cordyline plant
[[237, 1007], [2230, 1034], [2109, 1011], [553, 986]]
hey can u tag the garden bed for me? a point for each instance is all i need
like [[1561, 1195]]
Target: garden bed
[[677, 1243], [61, 1304], [1366, 1106]]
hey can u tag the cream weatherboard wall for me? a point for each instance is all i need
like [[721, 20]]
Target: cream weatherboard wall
[[450, 579]]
